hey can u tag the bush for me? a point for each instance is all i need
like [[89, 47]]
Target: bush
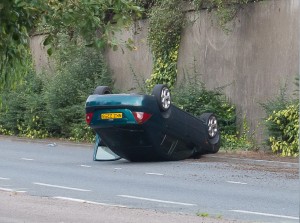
[[23, 109], [282, 122], [44, 105], [284, 128], [196, 99], [79, 71]]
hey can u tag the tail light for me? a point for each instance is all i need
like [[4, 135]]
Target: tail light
[[88, 117], [141, 117]]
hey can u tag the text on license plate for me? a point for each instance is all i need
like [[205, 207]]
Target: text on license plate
[[111, 115]]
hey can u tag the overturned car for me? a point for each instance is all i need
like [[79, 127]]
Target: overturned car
[[148, 127]]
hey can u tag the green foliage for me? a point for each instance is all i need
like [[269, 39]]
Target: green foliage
[[284, 124], [92, 21], [164, 70], [225, 10], [22, 111], [167, 19], [166, 22], [82, 132], [196, 99], [16, 21], [79, 71], [238, 140], [146, 5], [203, 215], [53, 105]]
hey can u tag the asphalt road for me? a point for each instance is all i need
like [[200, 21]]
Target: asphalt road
[[252, 191]]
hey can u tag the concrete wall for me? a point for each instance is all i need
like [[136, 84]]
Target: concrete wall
[[39, 53], [131, 67], [259, 56]]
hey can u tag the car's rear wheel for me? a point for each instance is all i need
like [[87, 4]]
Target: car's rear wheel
[[213, 134], [102, 90], [163, 96]]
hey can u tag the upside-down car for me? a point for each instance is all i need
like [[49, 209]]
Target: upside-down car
[[148, 127]]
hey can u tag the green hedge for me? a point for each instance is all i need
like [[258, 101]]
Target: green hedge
[[283, 126], [282, 122], [196, 99], [44, 105]]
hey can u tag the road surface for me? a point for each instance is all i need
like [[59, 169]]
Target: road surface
[[231, 188]]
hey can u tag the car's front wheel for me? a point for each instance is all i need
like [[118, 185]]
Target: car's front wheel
[[212, 130], [163, 96], [102, 90]]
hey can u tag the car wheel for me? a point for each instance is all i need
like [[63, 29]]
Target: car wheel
[[163, 96], [102, 90], [213, 134]]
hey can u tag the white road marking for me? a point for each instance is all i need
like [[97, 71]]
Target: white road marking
[[4, 178], [85, 166], [235, 182], [88, 202], [117, 168], [27, 159], [155, 200], [157, 174], [266, 214], [12, 190], [62, 187]]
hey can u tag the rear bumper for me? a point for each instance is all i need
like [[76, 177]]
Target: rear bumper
[[133, 142]]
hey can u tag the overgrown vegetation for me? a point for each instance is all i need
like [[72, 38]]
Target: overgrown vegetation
[[196, 99], [166, 22], [94, 22], [282, 124], [167, 19], [224, 10], [53, 105]]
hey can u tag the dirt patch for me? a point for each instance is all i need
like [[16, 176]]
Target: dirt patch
[[257, 156]]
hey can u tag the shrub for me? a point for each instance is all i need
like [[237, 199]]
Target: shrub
[[79, 71], [284, 128], [166, 21], [44, 105], [239, 140], [196, 99], [282, 123], [23, 109]]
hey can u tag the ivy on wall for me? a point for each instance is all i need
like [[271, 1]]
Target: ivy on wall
[[225, 10], [166, 22], [167, 19]]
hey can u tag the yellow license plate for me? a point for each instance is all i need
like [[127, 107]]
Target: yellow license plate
[[111, 115]]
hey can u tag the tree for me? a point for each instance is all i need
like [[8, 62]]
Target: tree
[[92, 21]]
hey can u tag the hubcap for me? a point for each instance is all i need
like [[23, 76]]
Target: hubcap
[[212, 126], [165, 98]]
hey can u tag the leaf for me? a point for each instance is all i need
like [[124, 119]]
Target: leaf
[[49, 51], [48, 40]]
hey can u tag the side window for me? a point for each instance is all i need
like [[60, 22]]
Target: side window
[[102, 152]]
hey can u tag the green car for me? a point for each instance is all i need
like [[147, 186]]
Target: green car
[[148, 127]]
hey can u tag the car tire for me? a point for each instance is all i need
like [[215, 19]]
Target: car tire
[[100, 90], [163, 96], [213, 134]]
